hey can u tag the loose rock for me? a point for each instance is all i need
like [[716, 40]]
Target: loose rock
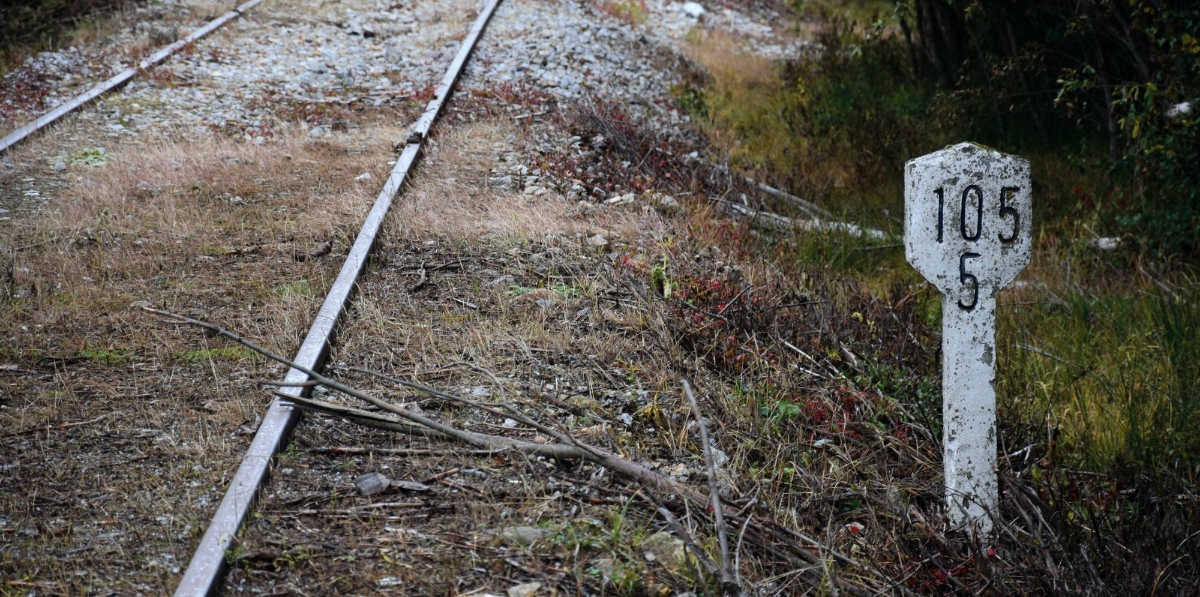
[[666, 549], [372, 483], [524, 590], [524, 536]]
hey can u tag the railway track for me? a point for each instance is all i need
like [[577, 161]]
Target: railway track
[[504, 268], [204, 573], [122, 77]]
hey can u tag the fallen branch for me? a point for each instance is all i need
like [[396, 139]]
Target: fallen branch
[[774, 221], [728, 578], [361, 417], [359, 450], [804, 205], [808, 207], [48, 428], [769, 539], [634, 471]]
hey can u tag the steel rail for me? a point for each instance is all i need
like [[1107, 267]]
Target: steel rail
[[122, 77], [206, 569]]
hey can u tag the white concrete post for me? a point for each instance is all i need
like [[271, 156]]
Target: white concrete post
[[967, 229]]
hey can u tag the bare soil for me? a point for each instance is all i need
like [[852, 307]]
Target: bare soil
[[119, 435]]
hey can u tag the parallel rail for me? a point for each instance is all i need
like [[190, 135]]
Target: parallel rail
[[208, 565], [123, 77]]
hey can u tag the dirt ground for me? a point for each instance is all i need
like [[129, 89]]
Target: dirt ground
[[580, 301], [512, 286], [119, 432]]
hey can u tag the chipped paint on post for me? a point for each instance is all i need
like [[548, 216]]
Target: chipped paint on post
[[967, 229]]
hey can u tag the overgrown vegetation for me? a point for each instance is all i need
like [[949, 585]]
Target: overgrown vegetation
[[1097, 382], [28, 26]]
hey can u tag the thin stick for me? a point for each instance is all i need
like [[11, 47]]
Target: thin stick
[[737, 551], [353, 450], [420, 281], [622, 466], [728, 580], [286, 384], [41, 428], [686, 537], [361, 417]]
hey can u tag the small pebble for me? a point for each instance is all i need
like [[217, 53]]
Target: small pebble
[[372, 483]]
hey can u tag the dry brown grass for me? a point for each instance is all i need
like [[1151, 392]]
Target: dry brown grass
[[177, 216], [155, 419], [717, 51], [511, 286], [454, 202], [575, 331], [817, 390]]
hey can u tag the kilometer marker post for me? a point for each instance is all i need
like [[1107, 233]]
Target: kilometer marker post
[[967, 229]]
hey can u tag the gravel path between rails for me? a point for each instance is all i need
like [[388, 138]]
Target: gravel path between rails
[[280, 122]]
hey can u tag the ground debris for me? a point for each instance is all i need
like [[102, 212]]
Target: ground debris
[[372, 484], [524, 536]]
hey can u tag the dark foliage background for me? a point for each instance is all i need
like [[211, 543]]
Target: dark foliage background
[[1100, 80], [36, 25]]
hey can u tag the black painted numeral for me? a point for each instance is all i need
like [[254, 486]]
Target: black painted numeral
[[1008, 210], [941, 211], [962, 215], [963, 276]]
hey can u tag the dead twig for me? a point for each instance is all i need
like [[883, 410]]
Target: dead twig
[[358, 450], [47, 428], [685, 536], [420, 280], [362, 417], [729, 583], [631, 470]]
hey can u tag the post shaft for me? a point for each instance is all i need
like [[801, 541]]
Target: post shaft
[[969, 411]]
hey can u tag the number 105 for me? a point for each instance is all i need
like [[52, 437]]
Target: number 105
[[972, 194]]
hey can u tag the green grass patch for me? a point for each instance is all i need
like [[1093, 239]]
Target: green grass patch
[[229, 353], [298, 288], [1106, 363], [1114, 375], [1098, 351], [107, 356]]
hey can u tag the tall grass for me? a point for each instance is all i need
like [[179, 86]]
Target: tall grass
[[1112, 375]]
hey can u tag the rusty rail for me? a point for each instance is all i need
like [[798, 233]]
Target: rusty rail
[[122, 77], [207, 567]]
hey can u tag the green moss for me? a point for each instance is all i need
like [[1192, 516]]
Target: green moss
[[107, 356], [90, 156], [230, 353]]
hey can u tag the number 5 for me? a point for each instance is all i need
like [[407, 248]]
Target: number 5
[[1008, 210], [963, 276]]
